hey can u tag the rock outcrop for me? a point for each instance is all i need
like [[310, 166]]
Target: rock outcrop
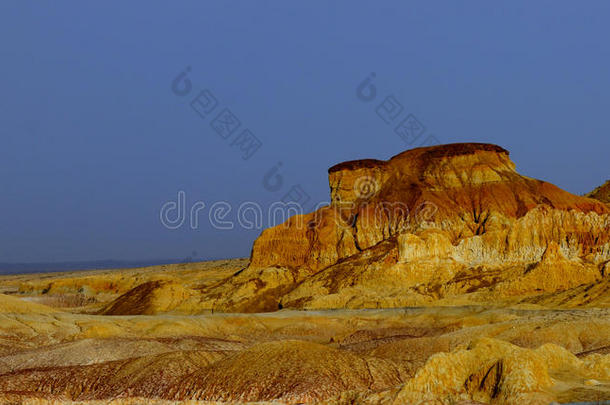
[[601, 193], [490, 371], [429, 223], [150, 298]]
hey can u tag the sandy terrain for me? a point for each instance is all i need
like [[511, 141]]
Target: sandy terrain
[[57, 352]]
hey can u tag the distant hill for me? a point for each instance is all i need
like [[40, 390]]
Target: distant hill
[[601, 193], [47, 267]]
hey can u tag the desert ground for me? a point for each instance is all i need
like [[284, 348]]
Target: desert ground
[[55, 347]]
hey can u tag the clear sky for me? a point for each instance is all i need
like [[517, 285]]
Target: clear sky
[[94, 139]]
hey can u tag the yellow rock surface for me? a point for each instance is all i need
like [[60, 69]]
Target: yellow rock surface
[[297, 357], [16, 305]]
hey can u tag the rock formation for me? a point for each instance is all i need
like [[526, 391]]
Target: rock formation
[[490, 371], [601, 193], [150, 298], [429, 223]]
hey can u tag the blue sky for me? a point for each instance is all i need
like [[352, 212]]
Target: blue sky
[[94, 140]]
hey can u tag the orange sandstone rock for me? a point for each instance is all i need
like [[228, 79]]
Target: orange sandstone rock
[[399, 232]]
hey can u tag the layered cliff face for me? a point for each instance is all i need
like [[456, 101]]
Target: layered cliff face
[[429, 223], [462, 189]]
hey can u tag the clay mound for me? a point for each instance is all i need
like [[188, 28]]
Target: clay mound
[[451, 222], [150, 298], [493, 371], [86, 351], [95, 351], [138, 377], [15, 305], [289, 371], [601, 193]]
